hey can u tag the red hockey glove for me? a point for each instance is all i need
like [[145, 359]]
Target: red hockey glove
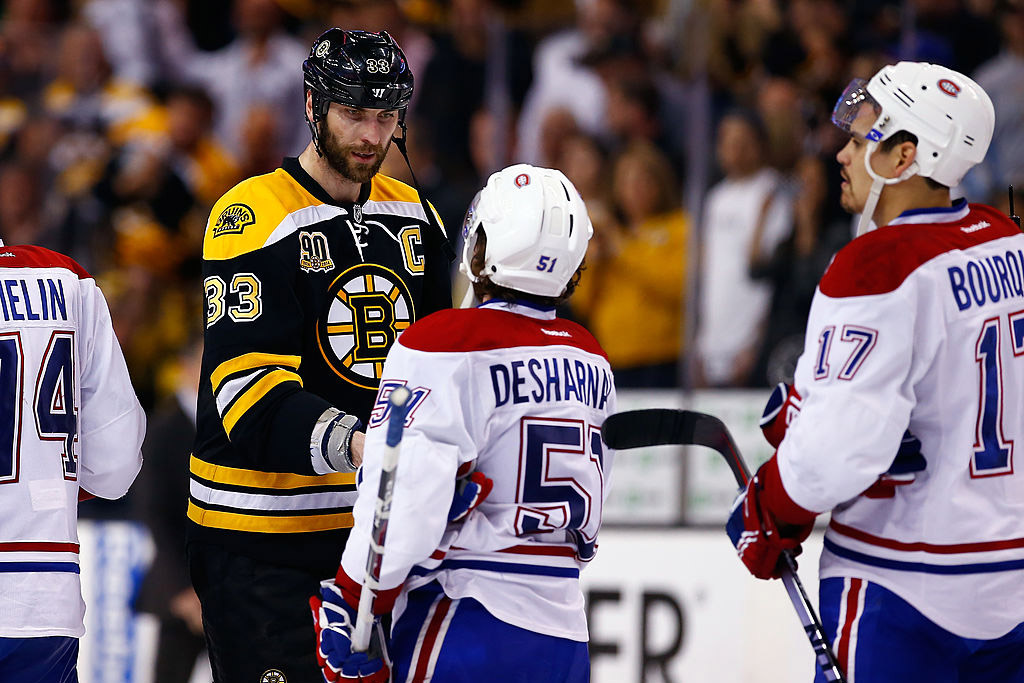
[[334, 620], [758, 531], [782, 408], [908, 462]]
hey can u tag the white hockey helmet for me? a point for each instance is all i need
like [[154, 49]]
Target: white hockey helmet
[[950, 114], [537, 230]]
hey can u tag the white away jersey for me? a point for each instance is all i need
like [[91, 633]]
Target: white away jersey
[[519, 395], [69, 418], [920, 324]]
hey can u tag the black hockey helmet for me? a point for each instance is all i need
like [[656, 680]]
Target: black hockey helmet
[[357, 69]]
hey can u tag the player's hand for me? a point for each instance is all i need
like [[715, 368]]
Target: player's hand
[[759, 541], [781, 409], [334, 620], [470, 491], [355, 448], [908, 462]]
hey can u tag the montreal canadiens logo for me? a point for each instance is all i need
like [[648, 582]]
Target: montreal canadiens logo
[[949, 87], [522, 180], [368, 307]]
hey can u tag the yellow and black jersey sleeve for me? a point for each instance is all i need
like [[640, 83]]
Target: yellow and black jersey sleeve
[[254, 214], [251, 390]]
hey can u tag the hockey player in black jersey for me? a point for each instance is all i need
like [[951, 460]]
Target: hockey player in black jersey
[[310, 272]]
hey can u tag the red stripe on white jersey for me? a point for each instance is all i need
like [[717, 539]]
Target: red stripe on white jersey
[[38, 546], [945, 549], [538, 549]]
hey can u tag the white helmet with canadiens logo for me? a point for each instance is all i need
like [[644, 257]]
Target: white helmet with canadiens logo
[[536, 226], [949, 114]]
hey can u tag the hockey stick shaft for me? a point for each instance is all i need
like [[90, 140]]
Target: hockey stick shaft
[[398, 400], [663, 426]]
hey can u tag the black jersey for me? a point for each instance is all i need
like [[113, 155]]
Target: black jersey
[[304, 297]]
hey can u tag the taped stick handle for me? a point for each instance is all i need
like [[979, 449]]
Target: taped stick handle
[[398, 402]]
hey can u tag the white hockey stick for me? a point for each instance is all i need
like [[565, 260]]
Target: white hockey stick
[[661, 426], [399, 406]]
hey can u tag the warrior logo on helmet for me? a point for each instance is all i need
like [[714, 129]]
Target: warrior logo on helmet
[[368, 307]]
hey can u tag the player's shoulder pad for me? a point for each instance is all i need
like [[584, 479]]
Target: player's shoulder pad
[[880, 261], [461, 330], [388, 191], [31, 256], [249, 215]]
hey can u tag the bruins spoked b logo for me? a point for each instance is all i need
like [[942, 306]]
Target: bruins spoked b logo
[[368, 306]]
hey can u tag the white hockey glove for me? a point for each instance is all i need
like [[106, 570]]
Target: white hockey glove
[[329, 444]]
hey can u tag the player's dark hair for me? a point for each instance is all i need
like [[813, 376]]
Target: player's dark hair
[[484, 288], [898, 138]]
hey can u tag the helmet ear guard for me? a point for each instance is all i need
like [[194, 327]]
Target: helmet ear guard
[[537, 230]]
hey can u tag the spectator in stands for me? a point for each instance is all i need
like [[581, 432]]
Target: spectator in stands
[[1002, 78], [21, 207], [256, 68], [635, 304], [560, 80], [793, 270], [746, 215], [161, 492]]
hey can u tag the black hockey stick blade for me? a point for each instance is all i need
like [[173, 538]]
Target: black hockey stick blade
[[664, 426]]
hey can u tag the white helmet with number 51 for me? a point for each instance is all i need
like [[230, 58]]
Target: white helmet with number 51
[[537, 230]]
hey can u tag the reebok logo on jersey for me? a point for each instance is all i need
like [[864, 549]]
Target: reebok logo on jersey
[[976, 227], [7, 253], [556, 333]]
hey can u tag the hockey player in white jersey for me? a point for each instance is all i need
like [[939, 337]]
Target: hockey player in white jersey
[[507, 390], [917, 324], [70, 427]]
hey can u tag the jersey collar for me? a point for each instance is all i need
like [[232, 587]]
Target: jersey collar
[[941, 214], [293, 168], [521, 308]]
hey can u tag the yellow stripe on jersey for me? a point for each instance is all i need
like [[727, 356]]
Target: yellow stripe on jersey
[[248, 214], [387, 189], [252, 394], [236, 476], [250, 361], [236, 521]]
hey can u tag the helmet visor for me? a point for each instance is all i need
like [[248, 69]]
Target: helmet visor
[[857, 112]]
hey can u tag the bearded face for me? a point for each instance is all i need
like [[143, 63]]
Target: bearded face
[[344, 158]]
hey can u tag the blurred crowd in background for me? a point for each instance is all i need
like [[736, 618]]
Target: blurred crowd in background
[[697, 131]]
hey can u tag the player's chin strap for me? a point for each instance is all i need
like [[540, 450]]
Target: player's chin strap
[[878, 182], [400, 144]]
